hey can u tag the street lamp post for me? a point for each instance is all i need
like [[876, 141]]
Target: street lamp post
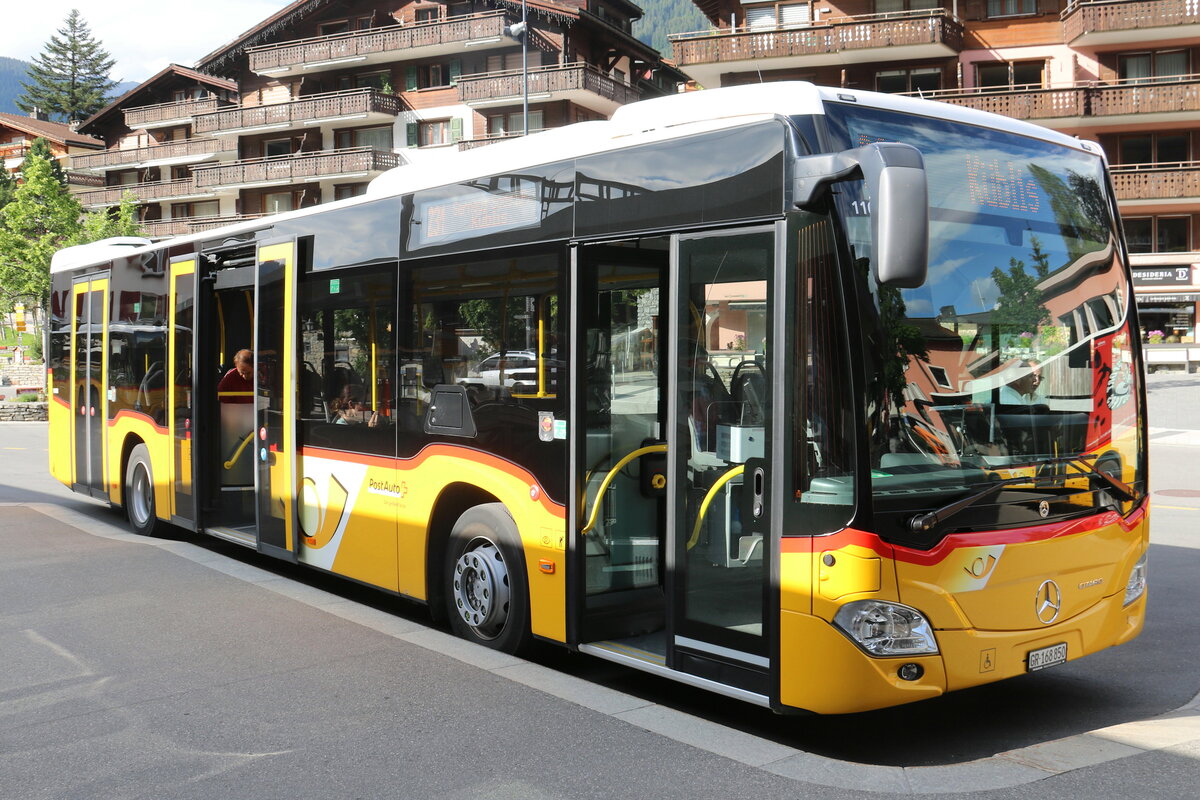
[[520, 31]]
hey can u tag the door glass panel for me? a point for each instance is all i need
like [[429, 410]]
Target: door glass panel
[[181, 392], [274, 440], [723, 423], [621, 317], [82, 391]]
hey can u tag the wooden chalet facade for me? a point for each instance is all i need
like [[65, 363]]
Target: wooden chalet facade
[[17, 134]]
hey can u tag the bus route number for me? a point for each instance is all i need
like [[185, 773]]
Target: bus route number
[[860, 208]]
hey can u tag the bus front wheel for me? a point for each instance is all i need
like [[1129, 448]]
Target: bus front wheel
[[139, 493], [487, 592]]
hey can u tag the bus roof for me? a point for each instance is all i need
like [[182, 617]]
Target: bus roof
[[657, 119]]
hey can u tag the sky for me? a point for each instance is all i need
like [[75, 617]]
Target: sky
[[142, 35]]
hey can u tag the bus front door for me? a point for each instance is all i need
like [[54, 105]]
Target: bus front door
[[275, 398], [89, 343], [720, 425]]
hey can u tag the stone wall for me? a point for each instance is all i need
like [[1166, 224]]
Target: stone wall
[[24, 375], [23, 412]]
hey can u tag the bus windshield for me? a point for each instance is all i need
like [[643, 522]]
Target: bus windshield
[[1015, 358]]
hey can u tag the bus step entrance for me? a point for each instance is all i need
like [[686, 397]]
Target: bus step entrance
[[245, 535]]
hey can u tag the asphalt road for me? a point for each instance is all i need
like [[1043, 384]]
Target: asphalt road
[[192, 668]]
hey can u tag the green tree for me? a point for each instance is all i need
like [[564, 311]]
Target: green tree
[[41, 218], [104, 223], [40, 148], [69, 79], [8, 187]]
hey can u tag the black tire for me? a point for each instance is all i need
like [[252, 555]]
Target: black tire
[[487, 589], [139, 494]]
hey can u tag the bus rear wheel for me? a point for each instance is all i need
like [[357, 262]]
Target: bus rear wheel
[[139, 493], [487, 594]]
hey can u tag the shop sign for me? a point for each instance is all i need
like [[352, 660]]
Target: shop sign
[[1162, 276], [1168, 298]]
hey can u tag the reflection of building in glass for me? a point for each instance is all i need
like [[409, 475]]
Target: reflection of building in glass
[[1124, 73]]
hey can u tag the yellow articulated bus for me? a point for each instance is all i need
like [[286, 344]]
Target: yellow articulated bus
[[816, 398]]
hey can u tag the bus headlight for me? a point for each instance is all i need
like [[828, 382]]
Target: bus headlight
[[1135, 587], [886, 629]]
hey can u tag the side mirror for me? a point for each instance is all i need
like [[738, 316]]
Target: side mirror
[[896, 186]]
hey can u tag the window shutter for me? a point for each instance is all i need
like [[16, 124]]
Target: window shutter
[[411, 130], [456, 129], [455, 70], [796, 14], [410, 79], [760, 17]]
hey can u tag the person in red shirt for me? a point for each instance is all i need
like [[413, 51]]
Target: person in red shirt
[[238, 384]]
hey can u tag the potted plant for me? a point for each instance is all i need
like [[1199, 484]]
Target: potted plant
[[1155, 337]]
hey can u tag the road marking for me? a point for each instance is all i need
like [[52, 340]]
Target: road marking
[[1003, 770], [1176, 508]]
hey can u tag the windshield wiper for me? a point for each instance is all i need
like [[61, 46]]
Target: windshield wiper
[[1084, 462], [923, 523]]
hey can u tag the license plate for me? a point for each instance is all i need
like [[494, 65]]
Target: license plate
[[1050, 656]]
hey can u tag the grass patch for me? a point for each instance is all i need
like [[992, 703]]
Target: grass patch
[[31, 397]]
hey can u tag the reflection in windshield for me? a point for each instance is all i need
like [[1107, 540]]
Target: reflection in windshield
[[1017, 349]]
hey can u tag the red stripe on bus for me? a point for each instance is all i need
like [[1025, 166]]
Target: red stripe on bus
[[450, 451], [959, 541], [137, 415]]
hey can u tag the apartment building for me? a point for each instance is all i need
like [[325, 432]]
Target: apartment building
[[316, 100], [1124, 73], [18, 132]]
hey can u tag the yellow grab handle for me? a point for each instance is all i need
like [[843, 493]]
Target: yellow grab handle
[[612, 473], [238, 453], [708, 498]]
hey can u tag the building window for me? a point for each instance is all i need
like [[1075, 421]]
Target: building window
[[364, 23], [206, 208], [511, 124], [330, 28], [432, 76], [1158, 234], [277, 147], [1153, 148], [428, 14], [1011, 8], [892, 6], [894, 81], [1152, 66], [275, 202], [509, 62], [378, 138], [435, 132], [778, 15], [1009, 74], [349, 190]]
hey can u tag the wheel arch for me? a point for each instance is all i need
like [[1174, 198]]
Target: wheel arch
[[131, 441], [454, 500]]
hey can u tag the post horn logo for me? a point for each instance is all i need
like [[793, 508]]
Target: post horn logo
[[1048, 602]]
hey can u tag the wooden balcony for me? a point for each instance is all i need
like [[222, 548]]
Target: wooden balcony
[[186, 151], [706, 55], [1148, 184], [185, 225], [89, 179], [1085, 104], [144, 192], [351, 162], [381, 45], [579, 83], [484, 141], [1097, 23], [367, 105], [166, 114]]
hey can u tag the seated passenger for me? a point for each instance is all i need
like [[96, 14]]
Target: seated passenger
[[351, 409], [1023, 390]]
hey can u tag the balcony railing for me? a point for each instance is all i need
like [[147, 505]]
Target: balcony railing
[[483, 141], [14, 151], [149, 116], [304, 111], [85, 179], [543, 81], [1157, 181], [1085, 17], [185, 225], [139, 155], [831, 36], [358, 45], [1175, 94], [144, 192], [296, 167]]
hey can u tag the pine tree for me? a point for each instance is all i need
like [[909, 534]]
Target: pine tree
[[41, 218], [70, 78], [40, 148]]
